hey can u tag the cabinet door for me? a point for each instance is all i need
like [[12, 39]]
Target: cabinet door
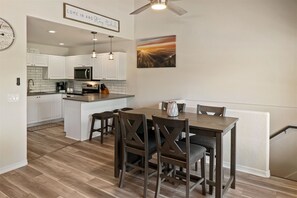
[[44, 108], [56, 67], [69, 67], [32, 109], [121, 65], [110, 67], [56, 106], [83, 60], [40, 60], [98, 67], [30, 59]]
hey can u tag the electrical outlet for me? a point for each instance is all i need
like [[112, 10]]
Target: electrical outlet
[[13, 97]]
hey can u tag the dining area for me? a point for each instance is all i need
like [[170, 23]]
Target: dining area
[[168, 144]]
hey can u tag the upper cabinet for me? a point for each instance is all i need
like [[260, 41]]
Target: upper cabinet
[[40, 60], [56, 67], [76, 61], [105, 69]]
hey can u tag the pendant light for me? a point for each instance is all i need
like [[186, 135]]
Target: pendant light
[[94, 55], [110, 57]]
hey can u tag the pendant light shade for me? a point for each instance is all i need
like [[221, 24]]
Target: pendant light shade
[[111, 56], [159, 4], [94, 55]]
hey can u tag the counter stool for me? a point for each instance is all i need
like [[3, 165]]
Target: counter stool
[[104, 118]]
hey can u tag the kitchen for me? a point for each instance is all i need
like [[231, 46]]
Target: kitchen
[[252, 54], [53, 77]]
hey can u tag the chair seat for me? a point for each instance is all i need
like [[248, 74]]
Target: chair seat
[[196, 151], [103, 115], [207, 142]]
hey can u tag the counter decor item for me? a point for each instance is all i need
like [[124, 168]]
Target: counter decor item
[[172, 109], [104, 89]]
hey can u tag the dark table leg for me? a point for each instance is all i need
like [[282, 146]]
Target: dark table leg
[[219, 165], [233, 156], [116, 146]]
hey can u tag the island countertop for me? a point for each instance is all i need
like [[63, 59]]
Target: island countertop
[[98, 97]]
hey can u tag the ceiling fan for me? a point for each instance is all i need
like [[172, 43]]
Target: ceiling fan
[[161, 5]]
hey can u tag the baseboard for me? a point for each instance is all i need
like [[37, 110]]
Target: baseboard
[[13, 166], [249, 170], [45, 122]]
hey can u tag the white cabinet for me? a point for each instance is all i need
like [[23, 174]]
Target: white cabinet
[[69, 67], [76, 61], [83, 60], [105, 69], [56, 68], [43, 107], [40, 60]]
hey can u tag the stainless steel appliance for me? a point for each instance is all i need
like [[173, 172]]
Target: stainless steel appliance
[[87, 88], [83, 73], [60, 86]]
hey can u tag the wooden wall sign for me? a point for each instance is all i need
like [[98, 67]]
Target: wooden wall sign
[[88, 17]]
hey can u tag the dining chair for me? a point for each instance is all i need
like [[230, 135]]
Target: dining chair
[[177, 153], [180, 106], [136, 140], [208, 142]]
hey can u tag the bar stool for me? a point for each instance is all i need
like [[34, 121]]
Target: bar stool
[[104, 118]]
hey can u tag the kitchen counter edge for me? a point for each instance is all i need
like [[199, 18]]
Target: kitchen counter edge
[[98, 97]]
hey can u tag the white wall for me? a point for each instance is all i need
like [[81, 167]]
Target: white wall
[[13, 136], [238, 52]]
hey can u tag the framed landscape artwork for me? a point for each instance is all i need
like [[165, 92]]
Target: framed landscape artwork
[[156, 52]]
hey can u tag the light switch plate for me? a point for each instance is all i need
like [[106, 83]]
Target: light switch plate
[[13, 97]]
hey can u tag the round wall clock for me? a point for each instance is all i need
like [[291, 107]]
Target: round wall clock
[[6, 35]]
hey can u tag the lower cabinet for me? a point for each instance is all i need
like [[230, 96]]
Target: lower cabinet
[[43, 108]]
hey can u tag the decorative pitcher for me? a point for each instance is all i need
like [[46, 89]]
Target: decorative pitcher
[[172, 109]]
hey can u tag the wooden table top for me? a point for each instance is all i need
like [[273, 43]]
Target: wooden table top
[[216, 124]]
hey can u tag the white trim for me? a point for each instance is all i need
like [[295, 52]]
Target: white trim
[[13, 166], [249, 170]]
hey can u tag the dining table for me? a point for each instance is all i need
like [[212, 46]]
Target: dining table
[[206, 125]]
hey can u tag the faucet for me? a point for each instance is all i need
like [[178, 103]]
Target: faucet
[[28, 89]]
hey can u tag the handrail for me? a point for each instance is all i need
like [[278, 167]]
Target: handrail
[[282, 130]]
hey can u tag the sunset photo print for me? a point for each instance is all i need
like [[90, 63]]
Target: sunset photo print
[[156, 52]]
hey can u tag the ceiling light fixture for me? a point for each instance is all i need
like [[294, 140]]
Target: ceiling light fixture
[[94, 55], [159, 4], [110, 57], [52, 31], [61, 43]]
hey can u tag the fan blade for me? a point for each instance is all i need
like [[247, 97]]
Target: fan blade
[[141, 9], [176, 9]]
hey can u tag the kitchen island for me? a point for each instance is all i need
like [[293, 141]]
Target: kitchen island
[[78, 112]]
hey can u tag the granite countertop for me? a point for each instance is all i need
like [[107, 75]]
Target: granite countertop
[[97, 97]]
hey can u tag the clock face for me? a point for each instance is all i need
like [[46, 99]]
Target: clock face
[[6, 35]]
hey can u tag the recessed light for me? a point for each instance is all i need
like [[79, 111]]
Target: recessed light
[[52, 31], [61, 43]]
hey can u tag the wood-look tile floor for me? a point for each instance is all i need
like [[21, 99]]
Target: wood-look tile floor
[[60, 167]]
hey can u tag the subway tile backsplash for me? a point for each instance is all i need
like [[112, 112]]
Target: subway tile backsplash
[[40, 84], [114, 86]]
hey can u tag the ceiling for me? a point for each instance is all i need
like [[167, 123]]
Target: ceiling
[[37, 32]]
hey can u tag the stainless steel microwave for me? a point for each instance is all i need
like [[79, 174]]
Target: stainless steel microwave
[[83, 73]]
